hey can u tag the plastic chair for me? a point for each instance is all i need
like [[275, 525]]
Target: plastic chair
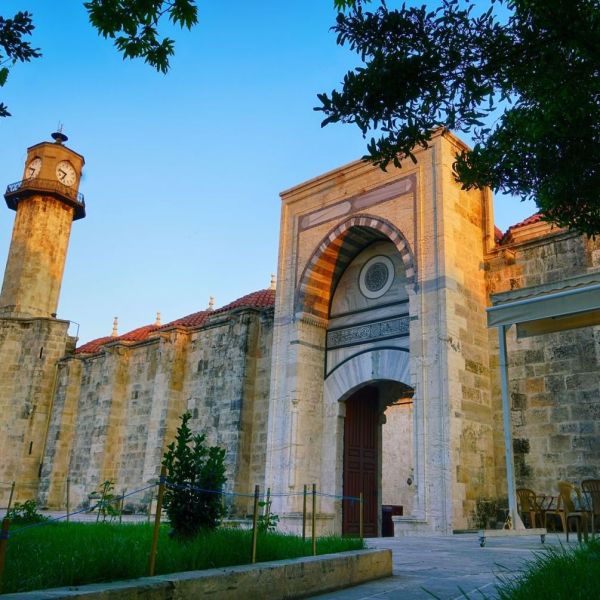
[[591, 487], [527, 505], [567, 510]]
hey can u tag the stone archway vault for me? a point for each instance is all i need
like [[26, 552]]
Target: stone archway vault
[[337, 249], [392, 364]]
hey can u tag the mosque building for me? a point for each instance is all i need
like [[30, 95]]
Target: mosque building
[[371, 369]]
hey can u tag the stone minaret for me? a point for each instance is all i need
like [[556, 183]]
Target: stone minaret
[[32, 339], [47, 202]]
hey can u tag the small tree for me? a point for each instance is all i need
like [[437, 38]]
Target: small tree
[[196, 474], [25, 513], [107, 505]]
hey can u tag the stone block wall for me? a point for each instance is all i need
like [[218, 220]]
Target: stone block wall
[[554, 379], [29, 352], [466, 229], [397, 456], [226, 390], [116, 411], [36, 260]]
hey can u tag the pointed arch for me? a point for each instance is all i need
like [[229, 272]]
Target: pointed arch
[[335, 252]]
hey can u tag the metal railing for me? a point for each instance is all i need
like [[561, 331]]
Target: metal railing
[[45, 185]]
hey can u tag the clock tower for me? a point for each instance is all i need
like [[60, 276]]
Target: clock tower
[[47, 201], [32, 339]]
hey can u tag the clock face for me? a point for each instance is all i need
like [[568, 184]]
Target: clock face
[[65, 172], [33, 168]]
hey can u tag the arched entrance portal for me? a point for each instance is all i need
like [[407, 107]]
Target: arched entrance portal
[[357, 290], [366, 365]]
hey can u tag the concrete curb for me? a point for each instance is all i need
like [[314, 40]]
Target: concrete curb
[[283, 579]]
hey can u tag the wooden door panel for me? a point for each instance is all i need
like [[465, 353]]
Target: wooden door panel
[[361, 431]]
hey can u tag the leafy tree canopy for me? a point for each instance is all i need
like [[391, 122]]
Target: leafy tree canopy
[[132, 24], [534, 74], [13, 48]]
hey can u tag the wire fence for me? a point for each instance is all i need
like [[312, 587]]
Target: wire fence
[[111, 505]]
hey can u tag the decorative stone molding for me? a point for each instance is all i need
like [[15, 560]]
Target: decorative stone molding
[[369, 332]]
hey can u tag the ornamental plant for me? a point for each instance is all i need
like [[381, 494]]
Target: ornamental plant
[[25, 513], [195, 478], [108, 503]]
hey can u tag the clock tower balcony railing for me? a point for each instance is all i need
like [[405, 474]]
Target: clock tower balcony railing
[[20, 190]]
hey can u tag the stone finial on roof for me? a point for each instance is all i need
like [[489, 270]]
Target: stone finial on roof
[[157, 322], [273, 281], [211, 303], [115, 332]]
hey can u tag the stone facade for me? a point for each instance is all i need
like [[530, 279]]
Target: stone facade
[[116, 409], [30, 350], [554, 378], [383, 283], [431, 222]]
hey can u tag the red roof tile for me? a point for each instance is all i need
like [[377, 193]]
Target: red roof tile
[[139, 334], [94, 345], [194, 320], [497, 234], [536, 218], [528, 221], [260, 299], [135, 335]]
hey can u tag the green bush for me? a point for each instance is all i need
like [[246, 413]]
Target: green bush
[[195, 474], [25, 513]]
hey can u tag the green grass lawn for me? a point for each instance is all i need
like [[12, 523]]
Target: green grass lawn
[[67, 554], [558, 574]]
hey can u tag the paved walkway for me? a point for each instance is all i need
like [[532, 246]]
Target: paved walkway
[[445, 567]]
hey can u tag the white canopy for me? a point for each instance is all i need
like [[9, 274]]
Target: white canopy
[[567, 304]]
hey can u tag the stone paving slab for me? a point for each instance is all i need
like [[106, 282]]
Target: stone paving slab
[[442, 566]]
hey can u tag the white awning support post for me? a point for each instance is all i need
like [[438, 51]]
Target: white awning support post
[[508, 442]]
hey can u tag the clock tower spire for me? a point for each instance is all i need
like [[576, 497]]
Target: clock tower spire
[[47, 201]]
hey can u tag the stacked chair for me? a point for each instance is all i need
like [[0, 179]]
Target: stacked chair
[[571, 506]]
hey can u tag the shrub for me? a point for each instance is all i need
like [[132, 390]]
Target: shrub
[[25, 513], [485, 513], [108, 503], [195, 474], [267, 521]]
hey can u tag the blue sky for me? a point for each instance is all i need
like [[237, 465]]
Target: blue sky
[[183, 171]]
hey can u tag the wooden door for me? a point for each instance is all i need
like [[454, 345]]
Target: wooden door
[[361, 433]]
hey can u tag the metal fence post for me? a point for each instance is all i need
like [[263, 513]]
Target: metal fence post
[[161, 490], [304, 515], [68, 498], [268, 509], [360, 516], [254, 523], [10, 498], [314, 519], [122, 504]]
